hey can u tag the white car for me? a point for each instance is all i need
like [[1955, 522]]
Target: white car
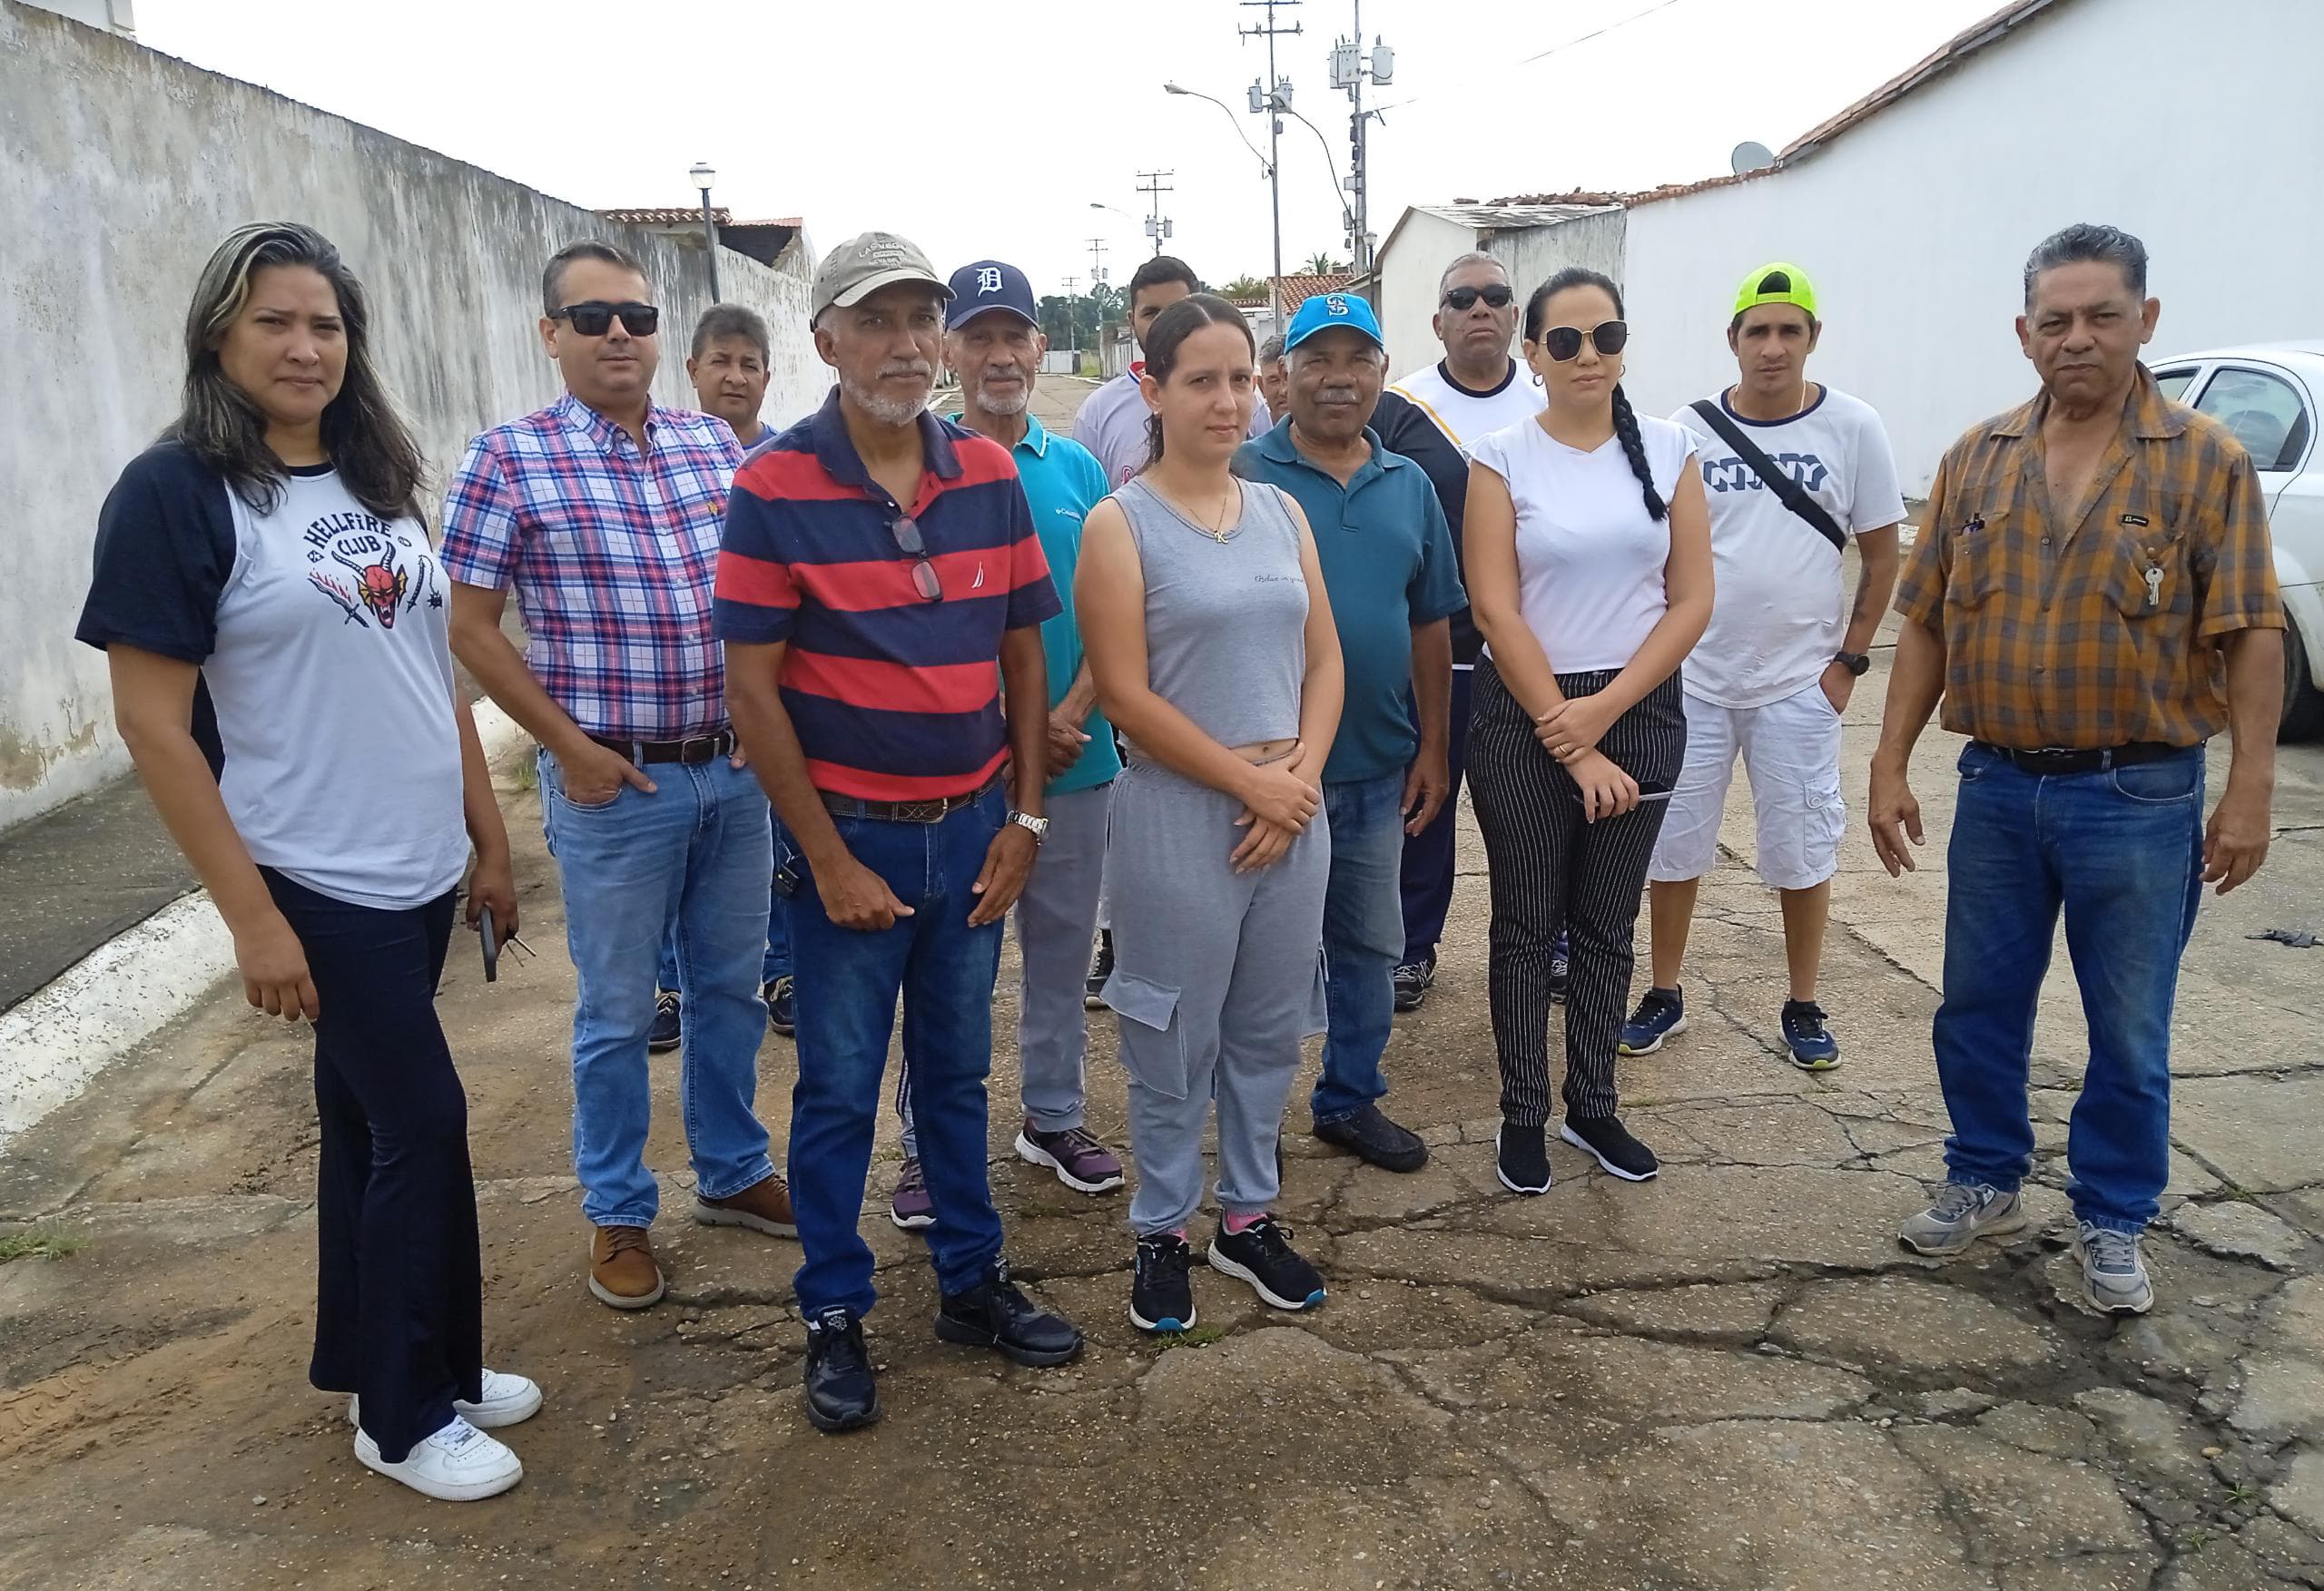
[[2271, 396]]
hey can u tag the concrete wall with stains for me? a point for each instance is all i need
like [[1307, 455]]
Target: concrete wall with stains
[[123, 168]]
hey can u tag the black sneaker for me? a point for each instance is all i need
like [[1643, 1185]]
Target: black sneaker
[[1413, 980], [1805, 1033], [782, 1010], [1521, 1158], [1561, 970], [1374, 1138], [994, 1314], [664, 1036], [1606, 1138], [841, 1394], [1161, 1299], [1101, 967], [1262, 1255]]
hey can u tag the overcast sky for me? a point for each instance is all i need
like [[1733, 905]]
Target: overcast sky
[[989, 128]]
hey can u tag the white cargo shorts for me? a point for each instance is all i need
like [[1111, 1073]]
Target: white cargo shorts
[[1791, 753]]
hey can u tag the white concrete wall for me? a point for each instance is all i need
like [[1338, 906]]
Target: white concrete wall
[[1537, 253], [1406, 296], [2196, 127], [124, 170]]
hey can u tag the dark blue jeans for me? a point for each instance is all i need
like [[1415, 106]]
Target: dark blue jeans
[[1363, 933], [848, 983], [398, 1278], [2121, 853], [1428, 856]]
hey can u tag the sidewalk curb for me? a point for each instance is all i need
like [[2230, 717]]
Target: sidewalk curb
[[55, 1040]]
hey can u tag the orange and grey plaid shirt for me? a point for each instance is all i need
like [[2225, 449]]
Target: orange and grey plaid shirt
[[2104, 632]]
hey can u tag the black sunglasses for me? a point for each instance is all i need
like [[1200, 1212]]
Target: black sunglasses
[[1465, 298], [1564, 342], [595, 317], [906, 530]]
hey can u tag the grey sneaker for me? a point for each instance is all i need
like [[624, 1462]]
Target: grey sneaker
[[1964, 1213], [2113, 1274]]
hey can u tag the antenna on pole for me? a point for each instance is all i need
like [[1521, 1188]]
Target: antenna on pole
[[1158, 225]]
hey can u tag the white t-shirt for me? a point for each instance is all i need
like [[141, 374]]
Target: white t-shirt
[[1111, 424], [1590, 558], [1779, 614], [1464, 415]]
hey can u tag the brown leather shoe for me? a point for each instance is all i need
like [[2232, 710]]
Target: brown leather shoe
[[622, 1271], [763, 1206]]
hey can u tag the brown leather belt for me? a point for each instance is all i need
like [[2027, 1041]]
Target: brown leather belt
[[693, 750], [934, 810], [2057, 761]]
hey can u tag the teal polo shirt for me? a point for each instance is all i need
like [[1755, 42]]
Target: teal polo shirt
[[1063, 481], [1389, 566]]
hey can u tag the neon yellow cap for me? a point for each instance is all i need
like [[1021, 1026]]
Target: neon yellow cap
[[1776, 282]]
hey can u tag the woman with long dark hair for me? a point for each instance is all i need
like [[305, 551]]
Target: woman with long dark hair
[[275, 623], [1590, 574], [1211, 642]]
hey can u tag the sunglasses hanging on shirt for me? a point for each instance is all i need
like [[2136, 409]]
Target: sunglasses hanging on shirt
[[595, 317], [906, 530], [1564, 342]]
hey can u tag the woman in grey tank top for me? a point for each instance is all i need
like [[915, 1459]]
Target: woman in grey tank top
[[1210, 638]]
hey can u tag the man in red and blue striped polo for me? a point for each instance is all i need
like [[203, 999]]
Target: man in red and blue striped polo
[[877, 563]]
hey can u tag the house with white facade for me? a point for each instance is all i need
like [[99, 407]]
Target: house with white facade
[[2199, 128]]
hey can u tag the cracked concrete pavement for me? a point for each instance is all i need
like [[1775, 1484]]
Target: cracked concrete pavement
[[1729, 1378]]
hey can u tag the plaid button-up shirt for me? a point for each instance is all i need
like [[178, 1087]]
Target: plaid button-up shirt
[[612, 554], [2105, 630]]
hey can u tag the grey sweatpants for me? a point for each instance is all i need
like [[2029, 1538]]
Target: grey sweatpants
[[1217, 977], [1056, 917]]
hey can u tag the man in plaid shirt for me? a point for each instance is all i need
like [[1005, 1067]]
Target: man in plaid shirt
[[2093, 594], [603, 511]]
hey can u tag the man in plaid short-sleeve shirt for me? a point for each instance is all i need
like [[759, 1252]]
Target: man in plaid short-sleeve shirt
[[2092, 592], [602, 511]]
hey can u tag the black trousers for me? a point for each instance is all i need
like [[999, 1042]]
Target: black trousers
[[398, 1296], [1553, 871]]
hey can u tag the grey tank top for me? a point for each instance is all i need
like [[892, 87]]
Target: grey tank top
[[1226, 621]]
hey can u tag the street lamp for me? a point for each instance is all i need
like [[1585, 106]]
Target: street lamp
[[703, 176], [1267, 167]]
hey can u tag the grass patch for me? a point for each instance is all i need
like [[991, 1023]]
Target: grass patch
[[2241, 1494], [1199, 1337], [2195, 1540], [38, 1245], [525, 775]]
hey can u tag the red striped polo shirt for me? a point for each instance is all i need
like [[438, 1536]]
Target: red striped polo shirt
[[894, 697]]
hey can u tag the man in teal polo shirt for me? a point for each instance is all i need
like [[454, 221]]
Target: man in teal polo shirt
[[993, 339], [1388, 563]]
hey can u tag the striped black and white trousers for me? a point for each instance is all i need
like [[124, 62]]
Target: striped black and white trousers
[[1554, 871]]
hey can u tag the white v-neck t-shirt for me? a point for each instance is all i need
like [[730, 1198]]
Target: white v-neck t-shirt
[[1590, 558]]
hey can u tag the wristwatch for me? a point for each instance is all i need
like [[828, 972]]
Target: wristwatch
[[1855, 662], [1040, 826]]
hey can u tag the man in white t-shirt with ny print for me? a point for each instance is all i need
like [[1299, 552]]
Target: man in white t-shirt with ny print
[[1772, 676]]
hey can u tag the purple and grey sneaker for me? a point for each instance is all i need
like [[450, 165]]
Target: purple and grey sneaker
[[912, 1208], [1080, 1162]]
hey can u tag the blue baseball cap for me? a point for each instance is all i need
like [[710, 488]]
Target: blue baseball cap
[[990, 285], [1324, 311]]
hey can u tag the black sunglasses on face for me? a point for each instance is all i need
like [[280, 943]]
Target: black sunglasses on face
[[1564, 342], [595, 317], [906, 530], [1462, 299]]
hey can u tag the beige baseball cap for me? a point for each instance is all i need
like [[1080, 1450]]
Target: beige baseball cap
[[867, 262]]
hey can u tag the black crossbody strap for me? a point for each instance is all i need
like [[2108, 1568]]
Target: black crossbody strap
[[1790, 492]]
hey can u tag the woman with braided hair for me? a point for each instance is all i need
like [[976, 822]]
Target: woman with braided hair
[[1589, 576]]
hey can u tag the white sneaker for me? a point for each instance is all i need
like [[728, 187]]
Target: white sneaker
[[459, 1464], [507, 1400]]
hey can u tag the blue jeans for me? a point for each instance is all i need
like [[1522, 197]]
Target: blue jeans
[[2122, 851], [778, 940], [698, 851], [848, 982], [1363, 934]]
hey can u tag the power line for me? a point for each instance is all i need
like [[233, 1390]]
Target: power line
[[1596, 33]]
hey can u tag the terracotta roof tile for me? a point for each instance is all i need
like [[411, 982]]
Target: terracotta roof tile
[[1297, 288]]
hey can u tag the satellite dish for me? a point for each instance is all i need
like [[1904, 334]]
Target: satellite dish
[[1751, 157]]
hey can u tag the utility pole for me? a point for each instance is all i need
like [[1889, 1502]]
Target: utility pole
[[1096, 263], [1158, 225], [1277, 95], [1350, 68], [1072, 318]]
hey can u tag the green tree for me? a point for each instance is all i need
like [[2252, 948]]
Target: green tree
[[1246, 287], [1325, 265]]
